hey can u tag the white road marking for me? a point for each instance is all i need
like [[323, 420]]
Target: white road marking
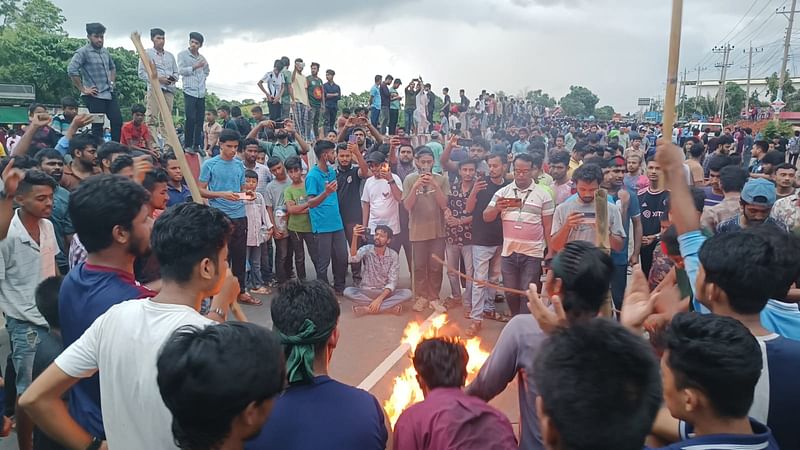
[[386, 365]]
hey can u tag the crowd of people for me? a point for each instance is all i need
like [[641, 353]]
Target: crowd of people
[[120, 289]]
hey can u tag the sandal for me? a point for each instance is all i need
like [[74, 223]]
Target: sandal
[[496, 316], [247, 299]]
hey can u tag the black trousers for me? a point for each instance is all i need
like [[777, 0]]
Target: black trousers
[[111, 109], [297, 240], [275, 111], [394, 116], [330, 119], [283, 260], [237, 251], [355, 268], [193, 129]]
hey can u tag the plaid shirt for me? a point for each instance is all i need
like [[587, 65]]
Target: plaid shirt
[[165, 67], [194, 80], [94, 66]]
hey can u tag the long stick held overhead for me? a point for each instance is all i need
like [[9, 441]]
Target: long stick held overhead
[[672, 69]]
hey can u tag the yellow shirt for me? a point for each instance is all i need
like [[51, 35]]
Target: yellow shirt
[[572, 166]]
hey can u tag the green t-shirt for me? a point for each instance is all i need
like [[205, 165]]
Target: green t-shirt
[[315, 93], [286, 98], [395, 104], [299, 223]]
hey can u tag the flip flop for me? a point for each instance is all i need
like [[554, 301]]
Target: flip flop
[[247, 299], [494, 315]]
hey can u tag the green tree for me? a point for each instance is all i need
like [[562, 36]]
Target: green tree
[[579, 101], [734, 100], [604, 112], [538, 98], [772, 86], [354, 100], [697, 105], [775, 129]]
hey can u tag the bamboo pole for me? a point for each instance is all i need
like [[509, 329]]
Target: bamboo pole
[[481, 282], [668, 119], [172, 137], [603, 239]]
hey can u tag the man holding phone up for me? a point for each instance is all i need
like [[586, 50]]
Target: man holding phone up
[[526, 210], [167, 70]]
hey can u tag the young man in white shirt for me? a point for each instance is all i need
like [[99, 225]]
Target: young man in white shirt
[[380, 201], [190, 242], [27, 256]]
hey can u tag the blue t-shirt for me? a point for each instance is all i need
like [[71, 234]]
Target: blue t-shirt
[[375, 93], [324, 414], [761, 439], [222, 176], [325, 217], [87, 292]]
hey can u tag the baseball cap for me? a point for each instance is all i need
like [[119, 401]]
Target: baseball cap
[[376, 157], [759, 192]]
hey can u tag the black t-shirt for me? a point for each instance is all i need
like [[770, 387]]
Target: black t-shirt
[[386, 96], [349, 193], [653, 208], [487, 234]]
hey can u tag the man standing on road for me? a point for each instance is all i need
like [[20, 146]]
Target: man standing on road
[[276, 208], [51, 162], [425, 199], [167, 70], [348, 191], [653, 203], [93, 72], [526, 210], [332, 95], [193, 67], [459, 233], [487, 240], [326, 223], [222, 182], [403, 166]]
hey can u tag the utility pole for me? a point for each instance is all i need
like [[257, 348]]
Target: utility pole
[[721, 94], [786, 43], [682, 96], [750, 52]]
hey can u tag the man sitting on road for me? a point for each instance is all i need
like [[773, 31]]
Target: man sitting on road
[[380, 268]]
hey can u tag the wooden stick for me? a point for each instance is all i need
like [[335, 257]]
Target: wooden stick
[[603, 239], [484, 283], [172, 137], [668, 119]]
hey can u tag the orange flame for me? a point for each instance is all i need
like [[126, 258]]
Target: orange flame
[[405, 389]]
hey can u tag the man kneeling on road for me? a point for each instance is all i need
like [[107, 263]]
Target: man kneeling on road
[[380, 268]]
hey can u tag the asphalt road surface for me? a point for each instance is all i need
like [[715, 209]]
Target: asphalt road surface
[[365, 342]]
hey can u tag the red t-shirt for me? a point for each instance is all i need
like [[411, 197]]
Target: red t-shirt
[[134, 136]]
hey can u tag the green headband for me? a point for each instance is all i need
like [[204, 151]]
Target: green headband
[[300, 360]]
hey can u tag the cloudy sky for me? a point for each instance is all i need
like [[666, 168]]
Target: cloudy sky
[[616, 48]]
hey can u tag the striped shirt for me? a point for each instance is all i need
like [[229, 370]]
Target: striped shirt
[[165, 67], [194, 80], [523, 231], [94, 66]]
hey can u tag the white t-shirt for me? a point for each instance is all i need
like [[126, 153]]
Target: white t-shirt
[[384, 209], [123, 345]]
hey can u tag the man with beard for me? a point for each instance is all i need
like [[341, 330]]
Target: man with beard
[[283, 148], [348, 182], [402, 164], [377, 292], [30, 244], [83, 149], [562, 185], [177, 189], [112, 216], [52, 163], [756, 200], [575, 219], [478, 150]]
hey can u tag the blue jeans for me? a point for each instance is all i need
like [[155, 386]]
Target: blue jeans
[[254, 280], [453, 254], [24, 337], [485, 266], [409, 120], [518, 272], [332, 246], [374, 116], [365, 296]]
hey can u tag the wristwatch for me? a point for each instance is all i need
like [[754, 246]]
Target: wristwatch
[[218, 311], [96, 443]]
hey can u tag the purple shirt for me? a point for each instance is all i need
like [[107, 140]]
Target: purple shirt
[[450, 419]]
